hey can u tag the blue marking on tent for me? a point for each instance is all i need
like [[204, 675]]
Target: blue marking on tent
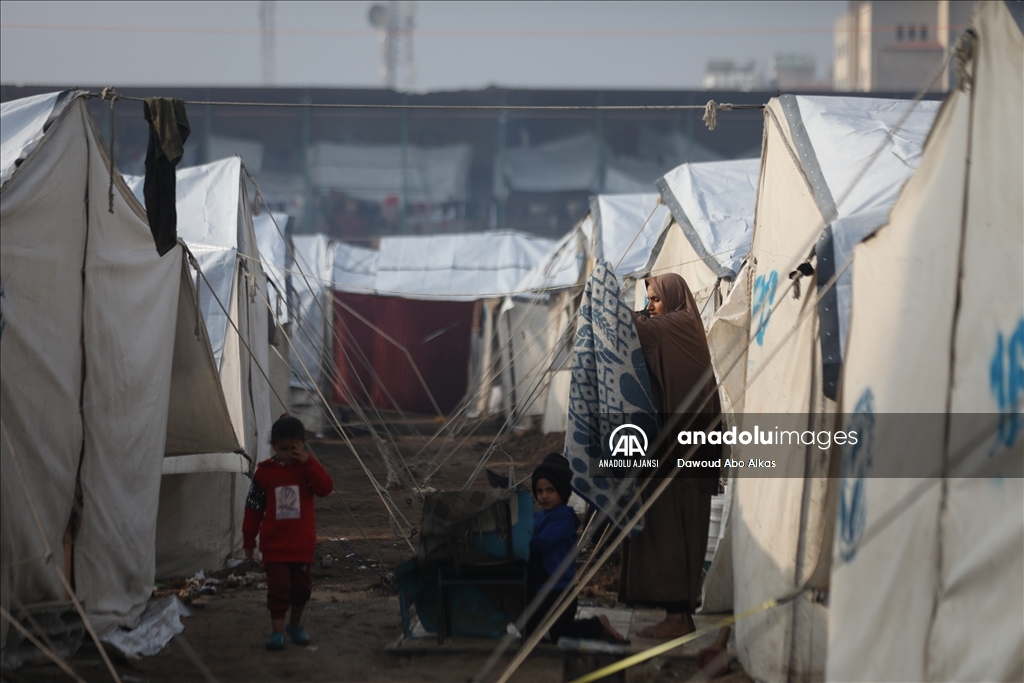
[[857, 458], [764, 297], [1006, 380]]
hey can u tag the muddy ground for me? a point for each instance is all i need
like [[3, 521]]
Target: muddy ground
[[353, 614]]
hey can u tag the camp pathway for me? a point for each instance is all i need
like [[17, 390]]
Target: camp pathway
[[352, 617]]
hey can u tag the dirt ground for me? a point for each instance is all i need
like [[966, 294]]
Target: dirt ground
[[353, 614]]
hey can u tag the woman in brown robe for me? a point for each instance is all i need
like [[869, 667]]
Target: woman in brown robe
[[663, 565]]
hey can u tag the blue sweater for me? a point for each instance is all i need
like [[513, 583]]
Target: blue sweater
[[554, 537]]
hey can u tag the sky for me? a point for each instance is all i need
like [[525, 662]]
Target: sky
[[456, 45]]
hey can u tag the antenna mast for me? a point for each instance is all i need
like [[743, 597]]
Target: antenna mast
[[396, 21]]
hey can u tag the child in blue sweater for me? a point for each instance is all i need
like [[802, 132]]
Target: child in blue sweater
[[554, 537]]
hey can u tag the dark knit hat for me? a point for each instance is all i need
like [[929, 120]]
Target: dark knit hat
[[555, 469]]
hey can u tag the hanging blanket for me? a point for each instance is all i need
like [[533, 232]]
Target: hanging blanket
[[609, 387]]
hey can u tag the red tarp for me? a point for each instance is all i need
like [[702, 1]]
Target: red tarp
[[436, 334]]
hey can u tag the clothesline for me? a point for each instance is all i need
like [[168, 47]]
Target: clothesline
[[725, 106]]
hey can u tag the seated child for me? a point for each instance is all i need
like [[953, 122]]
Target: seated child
[[279, 508], [554, 537]]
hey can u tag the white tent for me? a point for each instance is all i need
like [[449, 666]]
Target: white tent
[[202, 498], [273, 249], [712, 206], [456, 267], [533, 326], [936, 593], [818, 169], [310, 330], [105, 368]]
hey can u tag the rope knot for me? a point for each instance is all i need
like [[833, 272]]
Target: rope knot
[[109, 93], [711, 109], [964, 53]]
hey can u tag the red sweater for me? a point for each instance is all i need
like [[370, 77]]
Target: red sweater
[[280, 509]]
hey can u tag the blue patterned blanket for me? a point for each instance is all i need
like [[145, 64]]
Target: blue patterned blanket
[[609, 387]]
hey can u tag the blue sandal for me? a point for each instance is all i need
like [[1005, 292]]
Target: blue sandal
[[275, 641], [298, 634]]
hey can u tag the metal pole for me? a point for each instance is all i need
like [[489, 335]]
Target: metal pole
[[307, 184], [403, 207], [207, 155], [602, 162], [500, 188]]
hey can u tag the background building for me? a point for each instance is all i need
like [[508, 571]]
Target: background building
[[725, 74], [896, 45]]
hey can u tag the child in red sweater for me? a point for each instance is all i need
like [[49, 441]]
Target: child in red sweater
[[279, 508]]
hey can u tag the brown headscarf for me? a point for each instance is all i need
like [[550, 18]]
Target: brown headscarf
[[676, 351]]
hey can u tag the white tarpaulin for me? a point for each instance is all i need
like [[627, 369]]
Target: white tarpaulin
[[714, 205], [434, 175], [270, 231], [24, 126], [885, 155], [88, 336], [711, 230], [459, 267], [929, 588], [355, 269], [626, 228], [158, 625]]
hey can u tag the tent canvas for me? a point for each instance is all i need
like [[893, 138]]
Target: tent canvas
[[116, 323], [201, 498], [545, 302], [938, 311], [817, 169], [270, 229]]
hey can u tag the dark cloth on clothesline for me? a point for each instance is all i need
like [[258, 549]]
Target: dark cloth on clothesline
[[168, 131]]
